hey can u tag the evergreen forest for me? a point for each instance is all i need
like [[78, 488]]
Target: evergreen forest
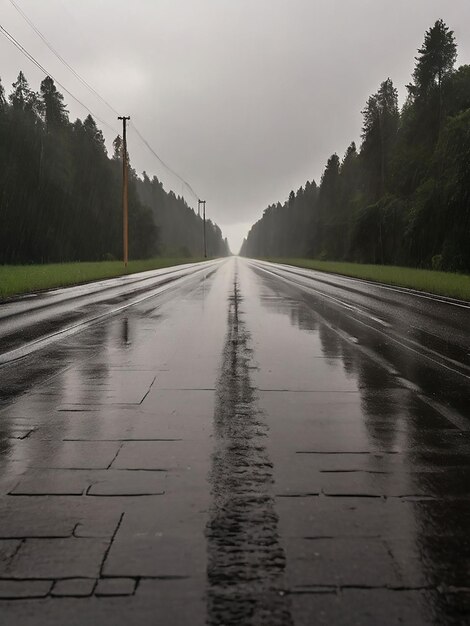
[[61, 194], [403, 196]]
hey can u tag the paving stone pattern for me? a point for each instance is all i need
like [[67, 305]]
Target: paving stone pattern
[[227, 457]]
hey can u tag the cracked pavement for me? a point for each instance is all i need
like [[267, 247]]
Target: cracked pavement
[[241, 449]]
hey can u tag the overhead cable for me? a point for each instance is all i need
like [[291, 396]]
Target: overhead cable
[[29, 56], [167, 167], [16, 43], [61, 58]]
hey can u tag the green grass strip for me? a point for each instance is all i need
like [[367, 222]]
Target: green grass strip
[[20, 279], [441, 283]]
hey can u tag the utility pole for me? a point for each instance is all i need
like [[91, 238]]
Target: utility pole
[[125, 172], [203, 202]]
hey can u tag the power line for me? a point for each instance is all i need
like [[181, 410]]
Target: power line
[[30, 57], [60, 57], [167, 167]]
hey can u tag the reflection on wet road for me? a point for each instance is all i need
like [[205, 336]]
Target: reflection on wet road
[[371, 479], [423, 339], [258, 446]]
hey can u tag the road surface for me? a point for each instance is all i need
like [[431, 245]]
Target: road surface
[[234, 443]]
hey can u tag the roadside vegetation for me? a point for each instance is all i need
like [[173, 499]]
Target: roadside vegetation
[[402, 197], [20, 279], [441, 283]]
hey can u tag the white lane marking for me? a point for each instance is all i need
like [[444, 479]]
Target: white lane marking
[[422, 351], [412, 342], [18, 353], [351, 307], [404, 290], [63, 295], [455, 418]]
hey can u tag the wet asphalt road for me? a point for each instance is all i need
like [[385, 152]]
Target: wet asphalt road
[[244, 444]]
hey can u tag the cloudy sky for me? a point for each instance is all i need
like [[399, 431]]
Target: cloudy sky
[[245, 99]]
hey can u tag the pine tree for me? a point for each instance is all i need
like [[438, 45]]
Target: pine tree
[[379, 132], [434, 65], [55, 112], [23, 98], [436, 60], [94, 134]]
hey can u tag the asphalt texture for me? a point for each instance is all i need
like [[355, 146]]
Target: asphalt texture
[[234, 443]]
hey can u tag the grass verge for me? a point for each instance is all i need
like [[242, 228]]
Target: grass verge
[[20, 279], [441, 283]]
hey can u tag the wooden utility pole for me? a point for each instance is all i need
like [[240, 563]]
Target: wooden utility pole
[[125, 172], [204, 226]]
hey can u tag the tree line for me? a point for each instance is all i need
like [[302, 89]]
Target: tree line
[[403, 197], [181, 227], [60, 192]]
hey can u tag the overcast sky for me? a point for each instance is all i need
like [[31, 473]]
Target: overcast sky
[[246, 99]]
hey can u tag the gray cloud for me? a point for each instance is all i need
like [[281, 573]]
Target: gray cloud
[[245, 98]]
